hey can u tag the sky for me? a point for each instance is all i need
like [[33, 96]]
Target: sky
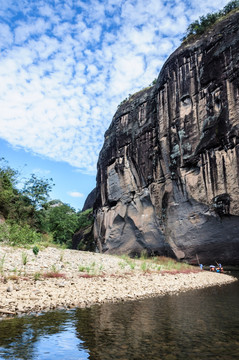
[[64, 68]]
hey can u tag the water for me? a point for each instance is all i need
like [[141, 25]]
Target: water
[[201, 324]]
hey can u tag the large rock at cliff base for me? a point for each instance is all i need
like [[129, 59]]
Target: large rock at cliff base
[[167, 178]]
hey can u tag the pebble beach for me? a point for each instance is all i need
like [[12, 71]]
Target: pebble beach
[[64, 279]]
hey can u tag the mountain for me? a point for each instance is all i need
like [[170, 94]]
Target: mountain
[[168, 172]]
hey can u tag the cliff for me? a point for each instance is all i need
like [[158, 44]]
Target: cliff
[[167, 179]]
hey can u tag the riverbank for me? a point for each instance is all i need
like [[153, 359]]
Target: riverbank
[[56, 278]]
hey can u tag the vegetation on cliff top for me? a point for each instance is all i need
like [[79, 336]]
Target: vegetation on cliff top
[[198, 27], [130, 96], [27, 216]]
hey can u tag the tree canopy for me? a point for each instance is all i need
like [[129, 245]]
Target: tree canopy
[[29, 214], [37, 190], [198, 27]]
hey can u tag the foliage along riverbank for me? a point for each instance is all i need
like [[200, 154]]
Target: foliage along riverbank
[[58, 278], [28, 216]]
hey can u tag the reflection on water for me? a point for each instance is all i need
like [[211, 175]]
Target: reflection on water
[[202, 324]]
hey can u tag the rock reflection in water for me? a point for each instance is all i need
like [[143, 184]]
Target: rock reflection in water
[[195, 325]]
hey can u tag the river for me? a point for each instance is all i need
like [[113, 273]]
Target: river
[[199, 324]]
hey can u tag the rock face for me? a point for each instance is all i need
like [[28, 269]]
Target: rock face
[[89, 202], [168, 173]]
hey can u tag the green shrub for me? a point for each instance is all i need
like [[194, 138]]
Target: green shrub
[[15, 234], [23, 235], [35, 250], [63, 223], [4, 232], [85, 219]]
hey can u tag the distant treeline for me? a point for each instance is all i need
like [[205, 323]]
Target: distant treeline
[[198, 27], [27, 216]]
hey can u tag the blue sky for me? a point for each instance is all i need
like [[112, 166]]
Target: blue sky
[[64, 68]]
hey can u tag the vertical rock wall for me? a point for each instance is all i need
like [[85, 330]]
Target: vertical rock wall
[[167, 177]]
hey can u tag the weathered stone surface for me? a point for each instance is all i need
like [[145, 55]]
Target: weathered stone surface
[[89, 202], [84, 239], [168, 172]]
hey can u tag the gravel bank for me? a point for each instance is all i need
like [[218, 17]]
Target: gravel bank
[[83, 279]]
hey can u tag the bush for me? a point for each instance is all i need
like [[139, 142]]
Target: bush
[[4, 232], [15, 234], [35, 250], [198, 27], [85, 219], [63, 223]]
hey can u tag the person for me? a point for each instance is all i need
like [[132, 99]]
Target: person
[[212, 268], [201, 266], [219, 268]]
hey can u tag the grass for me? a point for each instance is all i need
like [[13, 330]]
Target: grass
[[101, 268], [54, 269], [170, 264], [81, 268], [152, 264], [90, 269], [2, 264], [37, 276], [127, 261], [24, 258], [62, 256], [144, 266], [122, 265]]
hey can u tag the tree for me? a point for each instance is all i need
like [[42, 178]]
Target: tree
[[37, 190], [9, 195], [198, 27], [62, 223], [231, 6]]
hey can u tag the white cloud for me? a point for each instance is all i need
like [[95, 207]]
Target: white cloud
[[24, 31], [75, 194], [41, 172], [6, 38], [66, 65]]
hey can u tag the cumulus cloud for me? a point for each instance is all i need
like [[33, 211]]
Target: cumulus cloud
[[65, 65], [75, 194]]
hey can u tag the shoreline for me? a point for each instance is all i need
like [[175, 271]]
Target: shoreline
[[64, 279]]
